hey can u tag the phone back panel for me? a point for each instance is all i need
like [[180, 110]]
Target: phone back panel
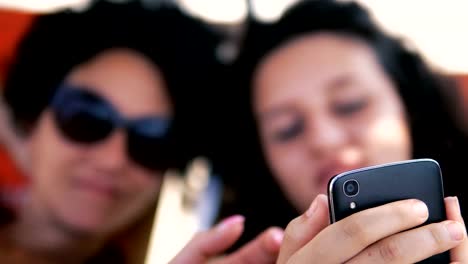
[[420, 179]]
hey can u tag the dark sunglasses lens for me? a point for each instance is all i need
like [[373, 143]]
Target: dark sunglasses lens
[[82, 125], [149, 144], [151, 153]]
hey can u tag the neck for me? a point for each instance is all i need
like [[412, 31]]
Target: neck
[[39, 234]]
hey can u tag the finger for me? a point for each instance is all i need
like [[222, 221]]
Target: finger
[[414, 245], [304, 228], [460, 253], [262, 250], [352, 234], [212, 242]]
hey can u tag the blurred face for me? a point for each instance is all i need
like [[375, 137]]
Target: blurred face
[[324, 105], [95, 187]]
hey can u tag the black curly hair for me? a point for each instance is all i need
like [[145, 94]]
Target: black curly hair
[[433, 131], [181, 46]]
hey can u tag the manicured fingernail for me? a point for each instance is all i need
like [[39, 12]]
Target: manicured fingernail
[[313, 207], [230, 222], [277, 235], [456, 230], [420, 209]]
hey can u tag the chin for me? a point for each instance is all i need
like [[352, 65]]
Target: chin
[[86, 223]]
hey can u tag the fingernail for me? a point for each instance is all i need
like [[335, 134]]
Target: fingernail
[[230, 222], [456, 230], [277, 236], [455, 202], [453, 198], [420, 209], [313, 207]]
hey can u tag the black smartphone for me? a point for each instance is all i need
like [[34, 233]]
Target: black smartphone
[[364, 188]]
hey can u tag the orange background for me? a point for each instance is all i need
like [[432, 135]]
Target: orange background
[[12, 26], [463, 80]]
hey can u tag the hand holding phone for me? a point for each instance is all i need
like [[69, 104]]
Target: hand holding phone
[[389, 230], [369, 187]]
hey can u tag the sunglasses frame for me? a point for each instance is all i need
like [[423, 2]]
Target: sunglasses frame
[[69, 100]]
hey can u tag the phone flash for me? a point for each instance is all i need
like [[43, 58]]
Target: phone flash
[[352, 205]]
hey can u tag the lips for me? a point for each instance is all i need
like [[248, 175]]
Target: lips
[[98, 188]]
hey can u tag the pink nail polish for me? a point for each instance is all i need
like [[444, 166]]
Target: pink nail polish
[[230, 222], [277, 236]]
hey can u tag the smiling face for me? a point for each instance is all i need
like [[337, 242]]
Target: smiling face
[[96, 188], [324, 105]]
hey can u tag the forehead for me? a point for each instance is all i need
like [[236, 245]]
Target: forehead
[[130, 81], [321, 62]]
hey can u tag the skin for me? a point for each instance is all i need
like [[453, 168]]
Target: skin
[[208, 246], [80, 194], [72, 178], [375, 235], [324, 105]]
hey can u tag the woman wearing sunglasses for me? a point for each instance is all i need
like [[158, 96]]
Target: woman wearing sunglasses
[[92, 98]]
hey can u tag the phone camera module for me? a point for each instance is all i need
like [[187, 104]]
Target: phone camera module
[[351, 188]]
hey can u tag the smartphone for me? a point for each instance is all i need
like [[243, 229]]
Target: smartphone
[[356, 190]]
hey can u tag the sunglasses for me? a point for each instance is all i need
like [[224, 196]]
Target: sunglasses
[[84, 117]]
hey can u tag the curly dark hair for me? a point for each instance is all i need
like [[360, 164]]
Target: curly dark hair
[[433, 130], [181, 46]]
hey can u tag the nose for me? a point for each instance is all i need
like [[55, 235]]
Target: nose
[[325, 136], [111, 153]]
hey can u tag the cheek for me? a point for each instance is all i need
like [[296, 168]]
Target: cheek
[[388, 139], [288, 162], [144, 185], [142, 190], [50, 156], [293, 169], [148, 181]]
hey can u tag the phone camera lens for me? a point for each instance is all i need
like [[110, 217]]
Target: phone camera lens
[[351, 188]]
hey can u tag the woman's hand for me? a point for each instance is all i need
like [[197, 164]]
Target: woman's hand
[[458, 254], [376, 235], [208, 246]]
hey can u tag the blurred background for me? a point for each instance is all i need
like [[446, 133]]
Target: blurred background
[[436, 28]]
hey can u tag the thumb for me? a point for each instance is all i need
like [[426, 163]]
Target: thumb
[[304, 228], [208, 244]]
